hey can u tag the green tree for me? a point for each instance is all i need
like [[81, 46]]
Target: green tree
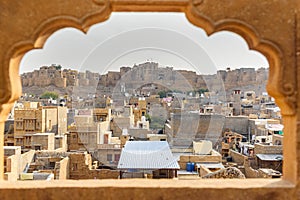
[[162, 94], [177, 91], [48, 95], [202, 90], [58, 67], [148, 118]]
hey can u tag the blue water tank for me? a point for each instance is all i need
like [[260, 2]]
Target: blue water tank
[[190, 166]]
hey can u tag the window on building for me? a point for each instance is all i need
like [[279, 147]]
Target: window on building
[[106, 138], [109, 157], [49, 125], [52, 165], [74, 167], [37, 148], [38, 125], [117, 157]]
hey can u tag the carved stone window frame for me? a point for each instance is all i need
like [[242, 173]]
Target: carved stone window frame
[[268, 26]]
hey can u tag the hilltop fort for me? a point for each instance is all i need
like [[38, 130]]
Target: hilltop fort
[[148, 72]]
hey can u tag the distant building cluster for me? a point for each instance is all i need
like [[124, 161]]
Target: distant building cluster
[[56, 76], [131, 78], [145, 132]]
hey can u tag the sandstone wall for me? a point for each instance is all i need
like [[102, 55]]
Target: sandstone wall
[[237, 157], [238, 124], [251, 173], [267, 149], [26, 159], [79, 169], [277, 139], [16, 164], [120, 123], [186, 127], [101, 155], [12, 168], [64, 169]]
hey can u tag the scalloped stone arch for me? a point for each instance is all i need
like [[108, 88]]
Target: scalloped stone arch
[[267, 48], [251, 36], [256, 24]]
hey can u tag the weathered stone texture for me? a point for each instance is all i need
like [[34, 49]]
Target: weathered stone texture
[[80, 168], [237, 157], [268, 149], [268, 26], [186, 127], [238, 124], [230, 172]]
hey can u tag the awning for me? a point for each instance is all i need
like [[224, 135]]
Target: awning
[[274, 127], [270, 157], [211, 165]]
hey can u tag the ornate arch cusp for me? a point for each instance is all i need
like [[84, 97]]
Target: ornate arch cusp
[[268, 26], [35, 22], [257, 23]]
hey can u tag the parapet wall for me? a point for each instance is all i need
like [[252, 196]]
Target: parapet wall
[[238, 124], [64, 169], [80, 168], [186, 127], [267, 149], [237, 157]]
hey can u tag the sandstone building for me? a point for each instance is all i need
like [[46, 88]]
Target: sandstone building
[[54, 75], [90, 130], [183, 128], [38, 119]]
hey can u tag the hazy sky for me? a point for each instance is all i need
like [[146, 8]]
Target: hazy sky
[[129, 38]]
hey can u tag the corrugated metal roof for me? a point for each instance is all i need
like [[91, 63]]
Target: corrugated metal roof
[[270, 157], [147, 155], [274, 127]]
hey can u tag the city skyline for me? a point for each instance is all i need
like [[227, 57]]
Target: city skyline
[[160, 66], [123, 40]]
